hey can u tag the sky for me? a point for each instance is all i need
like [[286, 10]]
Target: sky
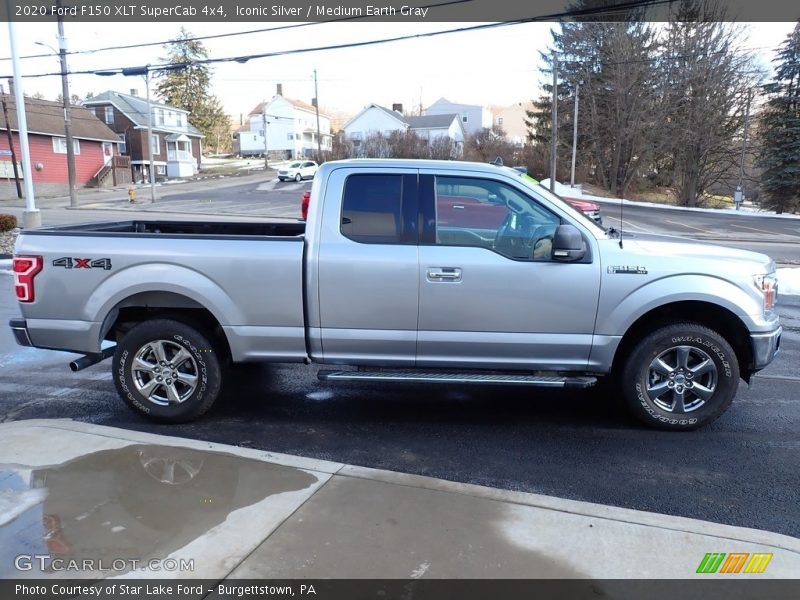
[[489, 67]]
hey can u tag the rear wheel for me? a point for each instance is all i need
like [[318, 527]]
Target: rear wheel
[[167, 371], [680, 377]]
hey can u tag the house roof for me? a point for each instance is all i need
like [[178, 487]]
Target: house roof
[[135, 108], [47, 118], [431, 121], [392, 113], [419, 122], [299, 104]]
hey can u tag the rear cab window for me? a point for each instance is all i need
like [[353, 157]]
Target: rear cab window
[[378, 208]]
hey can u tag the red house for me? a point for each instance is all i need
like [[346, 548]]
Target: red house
[[97, 160]]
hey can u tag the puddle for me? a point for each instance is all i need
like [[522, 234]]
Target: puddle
[[133, 503]]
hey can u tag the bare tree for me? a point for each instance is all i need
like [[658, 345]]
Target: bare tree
[[443, 148], [705, 84], [374, 145]]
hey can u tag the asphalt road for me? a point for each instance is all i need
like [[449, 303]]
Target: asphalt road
[[742, 470], [778, 237], [259, 196]]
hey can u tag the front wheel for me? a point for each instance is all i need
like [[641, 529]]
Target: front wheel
[[298, 178], [680, 377], [167, 371]]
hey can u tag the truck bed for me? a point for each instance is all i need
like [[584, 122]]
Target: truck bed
[[190, 228]]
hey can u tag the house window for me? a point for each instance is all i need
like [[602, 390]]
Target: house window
[[297, 136], [500, 121], [60, 145], [161, 169], [109, 115], [122, 146], [155, 144], [464, 118], [290, 136], [159, 116]]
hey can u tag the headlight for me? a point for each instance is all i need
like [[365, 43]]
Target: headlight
[[768, 285]]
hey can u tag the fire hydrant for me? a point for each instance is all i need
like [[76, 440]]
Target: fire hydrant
[[131, 194]]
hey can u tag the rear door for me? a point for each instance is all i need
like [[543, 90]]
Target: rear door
[[368, 268]]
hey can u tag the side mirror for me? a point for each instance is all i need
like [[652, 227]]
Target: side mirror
[[568, 245]]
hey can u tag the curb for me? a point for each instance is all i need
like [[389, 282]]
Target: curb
[[573, 507]]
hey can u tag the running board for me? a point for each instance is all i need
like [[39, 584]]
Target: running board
[[463, 378]]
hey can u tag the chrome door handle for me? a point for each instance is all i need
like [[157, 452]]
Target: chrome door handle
[[444, 274]]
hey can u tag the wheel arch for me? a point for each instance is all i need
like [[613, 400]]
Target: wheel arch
[[145, 306], [711, 315]]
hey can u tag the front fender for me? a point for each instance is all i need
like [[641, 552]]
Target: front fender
[[618, 312]]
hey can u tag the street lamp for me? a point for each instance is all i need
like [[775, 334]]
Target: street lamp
[[62, 54]]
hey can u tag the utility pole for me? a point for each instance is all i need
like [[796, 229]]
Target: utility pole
[[264, 123], [574, 135], [11, 143], [316, 105], [554, 125], [62, 52], [739, 195]]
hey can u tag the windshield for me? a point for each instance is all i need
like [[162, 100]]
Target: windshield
[[542, 191]]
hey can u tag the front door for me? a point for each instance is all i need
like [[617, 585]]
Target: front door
[[490, 295]]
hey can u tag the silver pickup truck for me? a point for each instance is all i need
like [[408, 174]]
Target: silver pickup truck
[[406, 270]]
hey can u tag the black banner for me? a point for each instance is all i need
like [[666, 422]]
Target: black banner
[[154, 11], [420, 589]]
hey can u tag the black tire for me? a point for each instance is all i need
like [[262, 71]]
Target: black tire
[[298, 178], [680, 377], [194, 378]]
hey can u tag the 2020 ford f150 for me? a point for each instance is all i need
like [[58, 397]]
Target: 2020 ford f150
[[524, 290]]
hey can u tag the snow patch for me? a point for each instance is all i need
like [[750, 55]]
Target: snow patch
[[788, 281]]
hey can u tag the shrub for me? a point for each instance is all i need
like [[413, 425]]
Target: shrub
[[7, 222]]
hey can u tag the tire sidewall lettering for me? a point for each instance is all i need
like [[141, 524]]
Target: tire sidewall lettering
[[704, 344]]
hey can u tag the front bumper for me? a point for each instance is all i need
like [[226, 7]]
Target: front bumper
[[765, 347], [20, 330]]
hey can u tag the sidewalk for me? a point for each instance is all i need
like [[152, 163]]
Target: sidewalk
[[99, 492]]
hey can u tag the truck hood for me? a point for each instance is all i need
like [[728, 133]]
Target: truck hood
[[695, 252]]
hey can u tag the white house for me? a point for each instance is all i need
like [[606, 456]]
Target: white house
[[377, 119], [291, 128], [473, 117]]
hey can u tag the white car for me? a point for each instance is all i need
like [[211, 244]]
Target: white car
[[299, 170]]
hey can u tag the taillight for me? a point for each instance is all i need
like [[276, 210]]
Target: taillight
[[304, 204], [25, 269]]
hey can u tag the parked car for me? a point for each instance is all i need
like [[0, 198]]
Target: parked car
[[590, 209], [298, 170], [378, 279]]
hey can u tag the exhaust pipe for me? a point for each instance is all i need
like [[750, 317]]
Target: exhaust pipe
[[91, 359]]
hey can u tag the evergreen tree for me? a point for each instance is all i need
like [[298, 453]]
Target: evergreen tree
[[189, 87], [780, 130]]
